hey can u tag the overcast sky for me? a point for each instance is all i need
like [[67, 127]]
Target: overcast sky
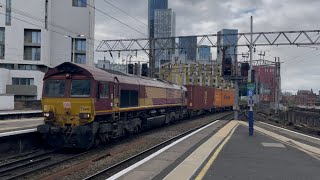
[[195, 17]]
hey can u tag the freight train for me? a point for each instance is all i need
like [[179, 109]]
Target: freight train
[[84, 106]]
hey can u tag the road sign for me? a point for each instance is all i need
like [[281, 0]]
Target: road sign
[[250, 93], [251, 86]]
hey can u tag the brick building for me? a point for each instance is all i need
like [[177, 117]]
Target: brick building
[[265, 75], [306, 98]]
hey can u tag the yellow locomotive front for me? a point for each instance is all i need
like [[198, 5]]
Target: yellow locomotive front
[[68, 109]]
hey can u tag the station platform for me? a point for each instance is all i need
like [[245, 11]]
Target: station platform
[[223, 150], [14, 112], [19, 126]]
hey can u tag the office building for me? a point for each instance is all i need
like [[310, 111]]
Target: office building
[[152, 6], [165, 26], [227, 41], [188, 47], [38, 34], [204, 53]]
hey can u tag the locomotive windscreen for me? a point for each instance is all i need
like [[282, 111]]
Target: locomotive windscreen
[[55, 88], [80, 88]]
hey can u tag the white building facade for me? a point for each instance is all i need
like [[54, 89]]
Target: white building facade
[[37, 34]]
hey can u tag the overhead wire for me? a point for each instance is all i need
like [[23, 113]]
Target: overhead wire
[[108, 15], [125, 12], [302, 60], [304, 53]]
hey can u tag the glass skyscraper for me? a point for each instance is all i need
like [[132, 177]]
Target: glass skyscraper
[[188, 47], [229, 42], [165, 26], [204, 53], [152, 6]]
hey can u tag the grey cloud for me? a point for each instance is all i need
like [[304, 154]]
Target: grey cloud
[[210, 16]]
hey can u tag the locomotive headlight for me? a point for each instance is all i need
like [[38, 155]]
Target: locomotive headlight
[[48, 114], [84, 116]]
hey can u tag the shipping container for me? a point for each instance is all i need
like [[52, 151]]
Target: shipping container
[[200, 97], [223, 98], [217, 98], [227, 98]]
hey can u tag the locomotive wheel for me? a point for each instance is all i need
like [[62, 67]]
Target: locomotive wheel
[[172, 117], [97, 141], [94, 142], [137, 129], [168, 119]]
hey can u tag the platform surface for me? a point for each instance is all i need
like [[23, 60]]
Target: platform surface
[[261, 157], [224, 150], [11, 112], [10, 126]]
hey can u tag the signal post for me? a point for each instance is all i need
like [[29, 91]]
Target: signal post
[[250, 80]]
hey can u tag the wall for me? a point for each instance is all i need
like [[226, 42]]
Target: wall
[[55, 47], [302, 118], [4, 78], [7, 75], [6, 102], [80, 20], [37, 75], [14, 34]]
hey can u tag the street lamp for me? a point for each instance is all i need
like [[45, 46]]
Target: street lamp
[[73, 39]]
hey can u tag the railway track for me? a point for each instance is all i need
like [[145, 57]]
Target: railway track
[[133, 159], [28, 165]]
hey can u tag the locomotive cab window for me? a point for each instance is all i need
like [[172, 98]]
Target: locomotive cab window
[[80, 88], [55, 88], [103, 90]]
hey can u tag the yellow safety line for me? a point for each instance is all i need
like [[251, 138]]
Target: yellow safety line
[[209, 164]]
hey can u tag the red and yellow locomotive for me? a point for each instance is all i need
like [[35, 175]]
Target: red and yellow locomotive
[[84, 105]]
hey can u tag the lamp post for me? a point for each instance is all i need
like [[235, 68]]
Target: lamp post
[[73, 39]]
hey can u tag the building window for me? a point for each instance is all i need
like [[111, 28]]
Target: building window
[[80, 45], [2, 42], [32, 36], [79, 3], [27, 67], [8, 13], [80, 58], [32, 44], [7, 66], [22, 81], [32, 53], [79, 51]]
